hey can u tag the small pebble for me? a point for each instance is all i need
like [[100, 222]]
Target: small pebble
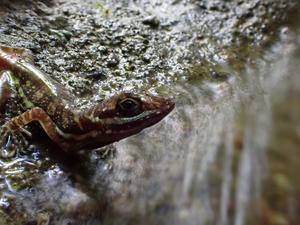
[[151, 21]]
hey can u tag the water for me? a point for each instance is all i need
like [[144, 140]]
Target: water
[[227, 155]]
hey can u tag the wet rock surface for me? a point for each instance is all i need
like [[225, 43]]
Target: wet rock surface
[[95, 48], [73, 40]]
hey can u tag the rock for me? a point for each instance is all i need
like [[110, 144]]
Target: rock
[[113, 60], [151, 21]]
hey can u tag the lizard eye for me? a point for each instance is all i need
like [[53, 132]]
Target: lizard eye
[[129, 107]]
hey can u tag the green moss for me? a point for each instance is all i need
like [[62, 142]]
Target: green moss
[[207, 71], [102, 9]]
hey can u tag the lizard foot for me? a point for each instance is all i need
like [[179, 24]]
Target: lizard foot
[[12, 142]]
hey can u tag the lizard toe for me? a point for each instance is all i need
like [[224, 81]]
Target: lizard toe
[[11, 144]]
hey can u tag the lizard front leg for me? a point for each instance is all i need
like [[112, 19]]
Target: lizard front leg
[[7, 92], [17, 124], [6, 87]]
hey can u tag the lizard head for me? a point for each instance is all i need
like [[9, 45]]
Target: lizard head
[[128, 113]]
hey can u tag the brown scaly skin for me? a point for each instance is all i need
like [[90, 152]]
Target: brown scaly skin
[[48, 103]]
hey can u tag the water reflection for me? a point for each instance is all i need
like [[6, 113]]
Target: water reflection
[[227, 155]]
